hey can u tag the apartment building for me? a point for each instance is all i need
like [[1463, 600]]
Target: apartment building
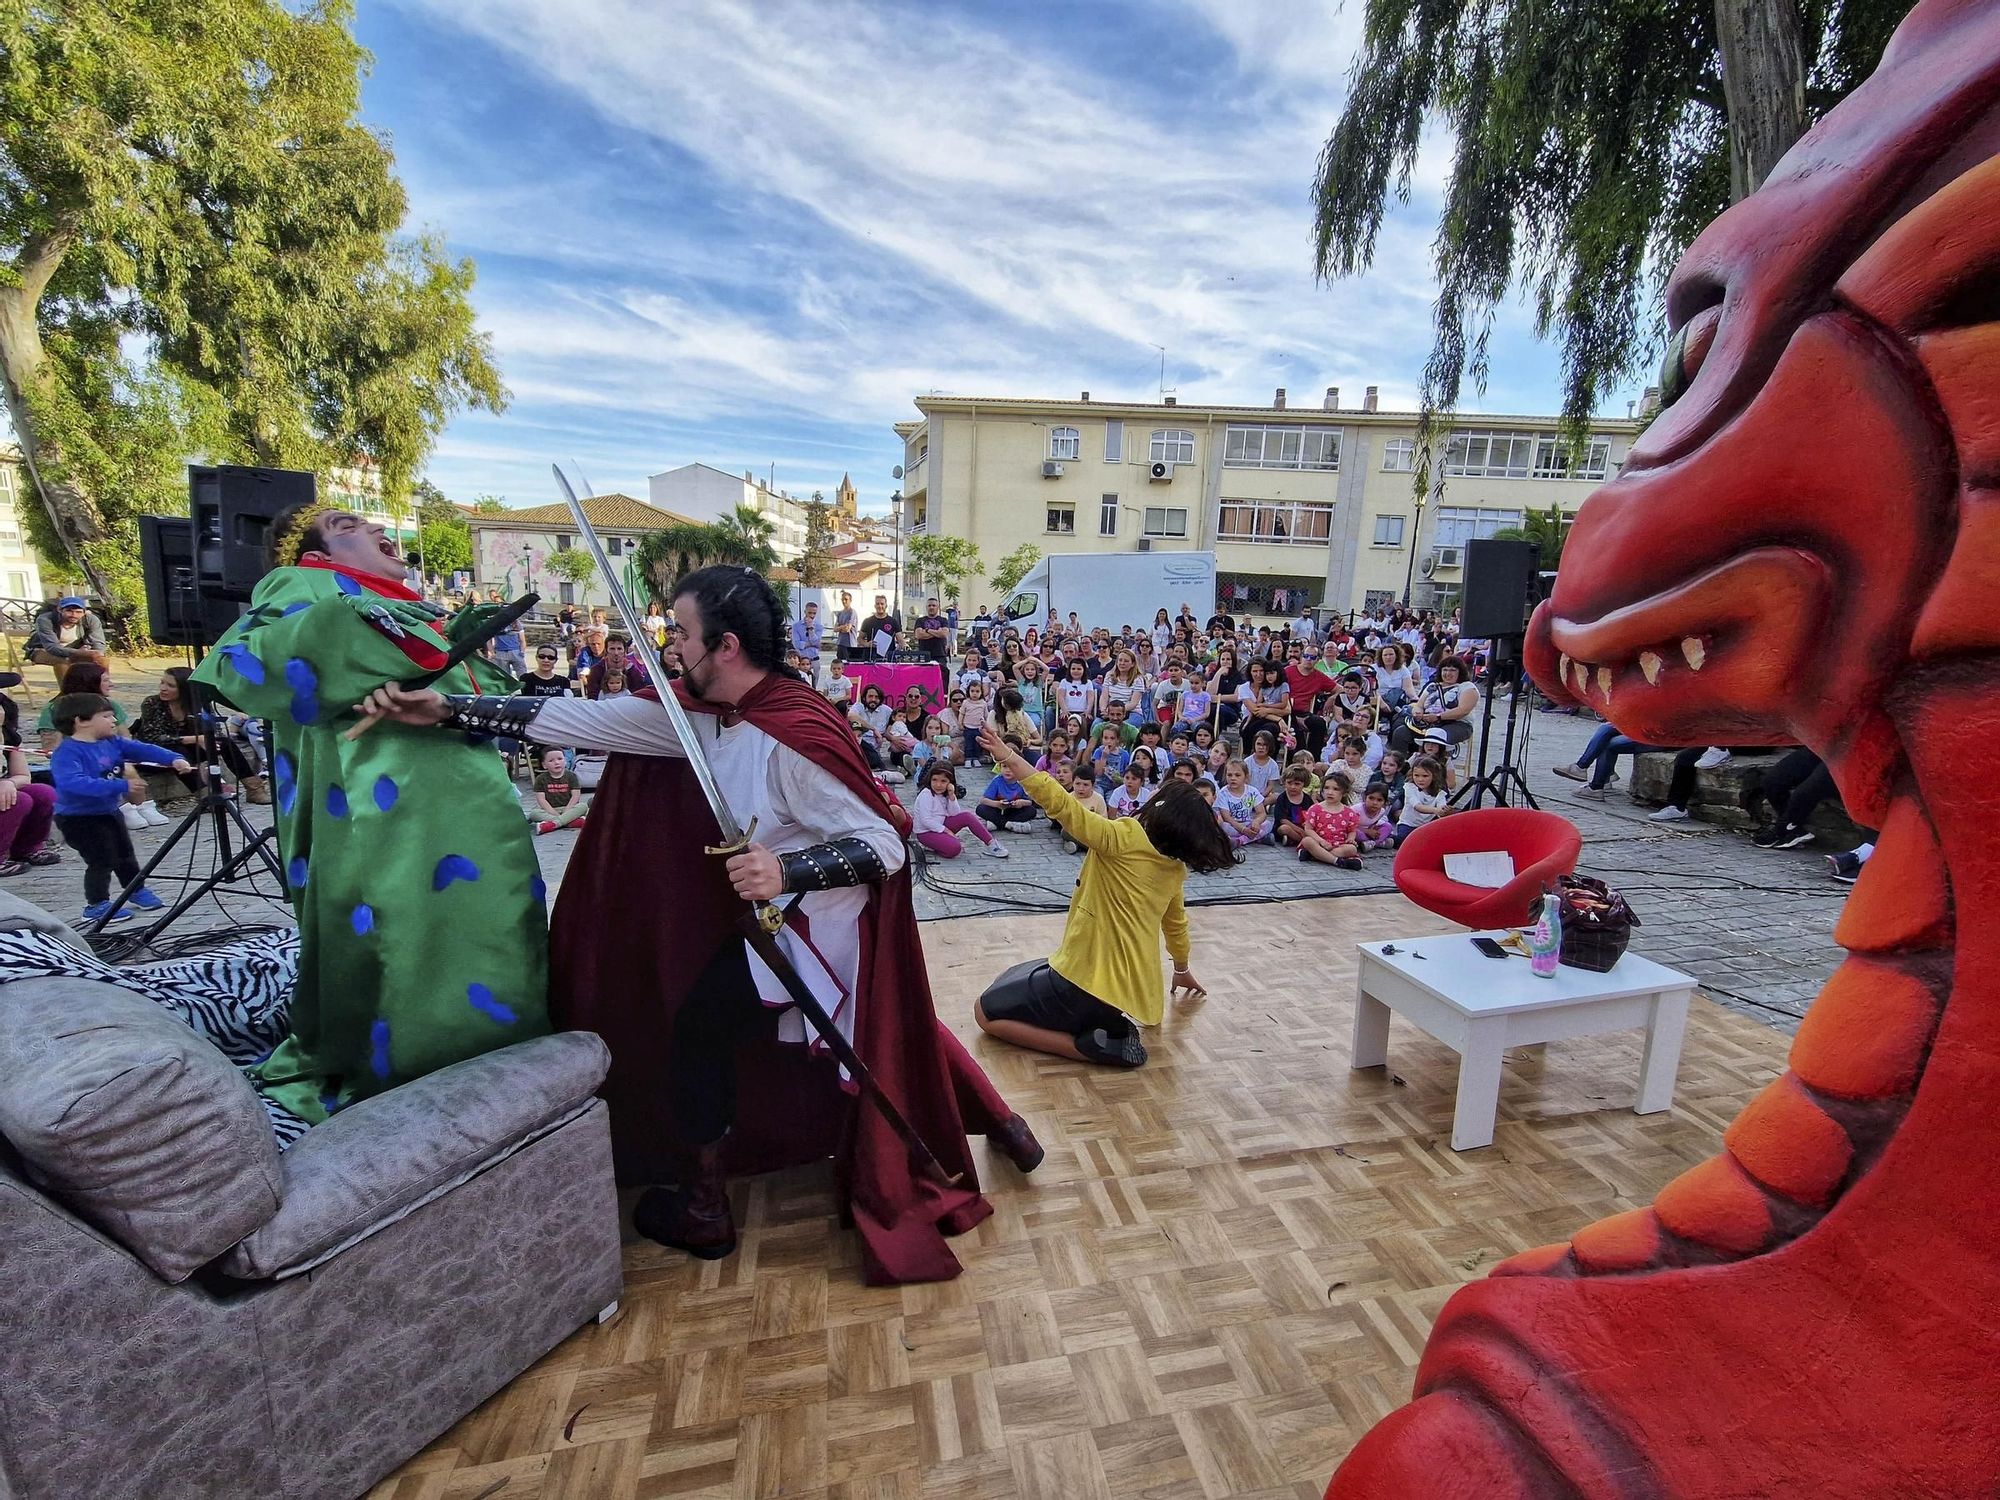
[[20, 565], [1301, 505], [709, 494]]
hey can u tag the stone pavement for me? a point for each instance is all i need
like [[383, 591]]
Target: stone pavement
[[1754, 926]]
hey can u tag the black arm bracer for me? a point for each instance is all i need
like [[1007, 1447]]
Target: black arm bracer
[[823, 867], [506, 718]]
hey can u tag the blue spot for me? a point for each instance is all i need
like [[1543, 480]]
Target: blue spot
[[345, 584], [453, 867], [292, 609], [304, 682], [483, 1002], [285, 773], [329, 1102], [295, 872], [336, 801], [539, 889], [245, 661], [385, 793], [363, 919], [378, 1049]]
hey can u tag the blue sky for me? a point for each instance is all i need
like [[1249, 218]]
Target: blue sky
[[748, 234]]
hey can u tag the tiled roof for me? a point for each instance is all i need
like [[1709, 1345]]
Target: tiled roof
[[840, 578], [606, 512]]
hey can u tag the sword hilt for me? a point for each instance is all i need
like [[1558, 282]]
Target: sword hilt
[[769, 917]]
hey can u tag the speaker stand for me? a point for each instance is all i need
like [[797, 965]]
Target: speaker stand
[[1504, 779]]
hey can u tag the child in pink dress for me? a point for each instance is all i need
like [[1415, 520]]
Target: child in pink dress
[[1333, 823]]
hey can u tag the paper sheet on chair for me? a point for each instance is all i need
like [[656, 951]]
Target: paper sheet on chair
[[1489, 869]]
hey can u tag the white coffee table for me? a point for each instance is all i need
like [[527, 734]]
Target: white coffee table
[[1481, 1006]]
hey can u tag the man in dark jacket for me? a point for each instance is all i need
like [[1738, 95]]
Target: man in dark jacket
[[65, 633]]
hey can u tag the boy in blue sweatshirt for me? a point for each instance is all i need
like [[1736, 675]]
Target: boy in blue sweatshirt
[[87, 768]]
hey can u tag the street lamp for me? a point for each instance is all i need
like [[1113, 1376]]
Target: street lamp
[[528, 567], [1416, 535], [896, 521]]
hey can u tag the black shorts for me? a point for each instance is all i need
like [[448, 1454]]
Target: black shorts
[[1036, 995]]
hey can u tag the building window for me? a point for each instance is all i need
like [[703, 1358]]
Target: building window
[[1281, 448], [1114, 442], [1552, 459], [1173, 446], [1274, 521], [1522, 455], [1399, 455], [1389, 531], [615, 545], [1459, 524], [1107, 516], [566, 593], [1377, 601], [1166, 520], [563, 540], [1064, 443], [1061, 520]]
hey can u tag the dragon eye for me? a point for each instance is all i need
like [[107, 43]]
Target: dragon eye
[[1685, 353]]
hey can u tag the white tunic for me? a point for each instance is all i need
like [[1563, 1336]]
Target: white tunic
[[796, 804]]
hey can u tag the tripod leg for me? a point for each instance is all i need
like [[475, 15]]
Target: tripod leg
[[153, 863], [221, 875]]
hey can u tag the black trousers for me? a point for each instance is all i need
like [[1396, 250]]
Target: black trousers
[[997, 817], [1036, 995], [719, 1013], [1796, 785], [103, 844], [232, 755]]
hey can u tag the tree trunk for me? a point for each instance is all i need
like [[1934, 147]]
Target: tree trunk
[[71, 512], [1763, 86]]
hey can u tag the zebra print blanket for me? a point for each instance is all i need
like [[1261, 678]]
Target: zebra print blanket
[[237, 997]]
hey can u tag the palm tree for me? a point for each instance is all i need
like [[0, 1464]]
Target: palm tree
[[1548, 530], [744, 536]]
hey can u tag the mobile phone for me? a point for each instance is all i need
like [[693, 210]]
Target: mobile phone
[[1489, 947]]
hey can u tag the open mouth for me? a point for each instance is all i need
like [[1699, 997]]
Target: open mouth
[[1671, 638]]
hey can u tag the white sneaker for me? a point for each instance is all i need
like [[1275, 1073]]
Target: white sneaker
[[150, 811], [134, 819], [1668, 814], [893, 778], [1709, 759], [997, 850]]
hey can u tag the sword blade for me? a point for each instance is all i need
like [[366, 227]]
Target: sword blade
[[732, 831]]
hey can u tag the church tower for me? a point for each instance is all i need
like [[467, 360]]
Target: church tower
[[844, 502]]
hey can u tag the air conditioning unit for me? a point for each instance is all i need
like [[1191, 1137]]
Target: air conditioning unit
[[1051, 469], [1442, 558], [1145, 544], [1161, 472]]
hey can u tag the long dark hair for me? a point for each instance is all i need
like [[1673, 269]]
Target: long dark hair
[[738, 601], [1180, 825], [83, 677], [189, 699]]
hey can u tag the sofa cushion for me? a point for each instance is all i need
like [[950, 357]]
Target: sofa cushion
[[18, 915], [384, 1157], [134, 1122]]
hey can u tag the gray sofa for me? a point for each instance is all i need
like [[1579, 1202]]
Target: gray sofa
[[186, 1312]]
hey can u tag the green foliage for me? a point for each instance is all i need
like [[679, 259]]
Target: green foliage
[[742, 537], [1015, 566], [186, 185], [446, 545], [1591, 146], [1548, 530], [943, 561], [489, 505], [573, 565], [816, 560]]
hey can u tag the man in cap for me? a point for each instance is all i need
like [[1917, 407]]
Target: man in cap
[[66, 633]]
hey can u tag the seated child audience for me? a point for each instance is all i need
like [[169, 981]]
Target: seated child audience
[[88, 770], [1263, 767], [1004, 804], [558, 798], [1332, 823], [1288, 804], [1108, 760], [1423, 799], [1239, 809], [1086, 794], [937, 819], [972, 718], [1378, 829]]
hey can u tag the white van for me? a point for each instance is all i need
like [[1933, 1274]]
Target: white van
[[1114, 589]]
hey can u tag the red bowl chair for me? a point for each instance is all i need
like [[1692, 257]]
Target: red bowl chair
[[1544, 846]]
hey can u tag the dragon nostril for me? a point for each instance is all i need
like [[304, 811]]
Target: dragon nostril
[[1685, 353]]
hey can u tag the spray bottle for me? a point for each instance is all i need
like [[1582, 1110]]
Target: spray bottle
[[1545, 940]]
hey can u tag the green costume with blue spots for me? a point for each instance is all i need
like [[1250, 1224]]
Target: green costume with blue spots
[[422, 915]]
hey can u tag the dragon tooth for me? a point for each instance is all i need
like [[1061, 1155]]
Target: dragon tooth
[[1694, 651], [1583, 679], [1604, 683], [1649, 663], [1562, 668]]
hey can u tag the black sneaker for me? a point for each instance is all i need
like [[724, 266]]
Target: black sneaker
[[1347, 862], [1844, 867], [1116, 1051], [1781, 836]]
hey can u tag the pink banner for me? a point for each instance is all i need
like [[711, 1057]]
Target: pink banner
[[896, 678]]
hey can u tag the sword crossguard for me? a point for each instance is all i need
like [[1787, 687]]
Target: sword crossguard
[[769, 916], [742, 843]]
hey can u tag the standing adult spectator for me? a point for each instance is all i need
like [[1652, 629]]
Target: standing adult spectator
[[933, 632], [656, 621], [508, 654], [1304, 628], [618, 655], [67, 631], [884, 621], [844, 620], [982, 627], [543, 682], [807, 633]]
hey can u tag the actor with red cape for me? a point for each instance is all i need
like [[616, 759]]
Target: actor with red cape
[[643, 942]]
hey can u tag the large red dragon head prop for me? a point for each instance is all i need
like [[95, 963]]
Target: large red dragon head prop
[[1812, 507], [1804, 546]]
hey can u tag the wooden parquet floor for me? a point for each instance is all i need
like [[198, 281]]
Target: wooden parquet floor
[[1220, 1277]]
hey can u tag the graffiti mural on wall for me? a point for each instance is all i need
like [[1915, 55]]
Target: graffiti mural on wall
[[502, 566]]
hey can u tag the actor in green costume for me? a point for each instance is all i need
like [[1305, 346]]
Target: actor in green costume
[[422, 914]]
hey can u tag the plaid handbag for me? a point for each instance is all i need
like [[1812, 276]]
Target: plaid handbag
[[1596, 923]]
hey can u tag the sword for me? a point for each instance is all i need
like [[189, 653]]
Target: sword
[[761, 925]]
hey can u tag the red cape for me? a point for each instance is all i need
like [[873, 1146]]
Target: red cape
[[642, 910]]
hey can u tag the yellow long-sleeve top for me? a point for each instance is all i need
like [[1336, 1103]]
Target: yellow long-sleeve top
[[1127, 897]]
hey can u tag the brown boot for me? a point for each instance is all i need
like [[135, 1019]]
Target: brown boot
[[695, 1215], [257, 789], [1018, 1142]]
